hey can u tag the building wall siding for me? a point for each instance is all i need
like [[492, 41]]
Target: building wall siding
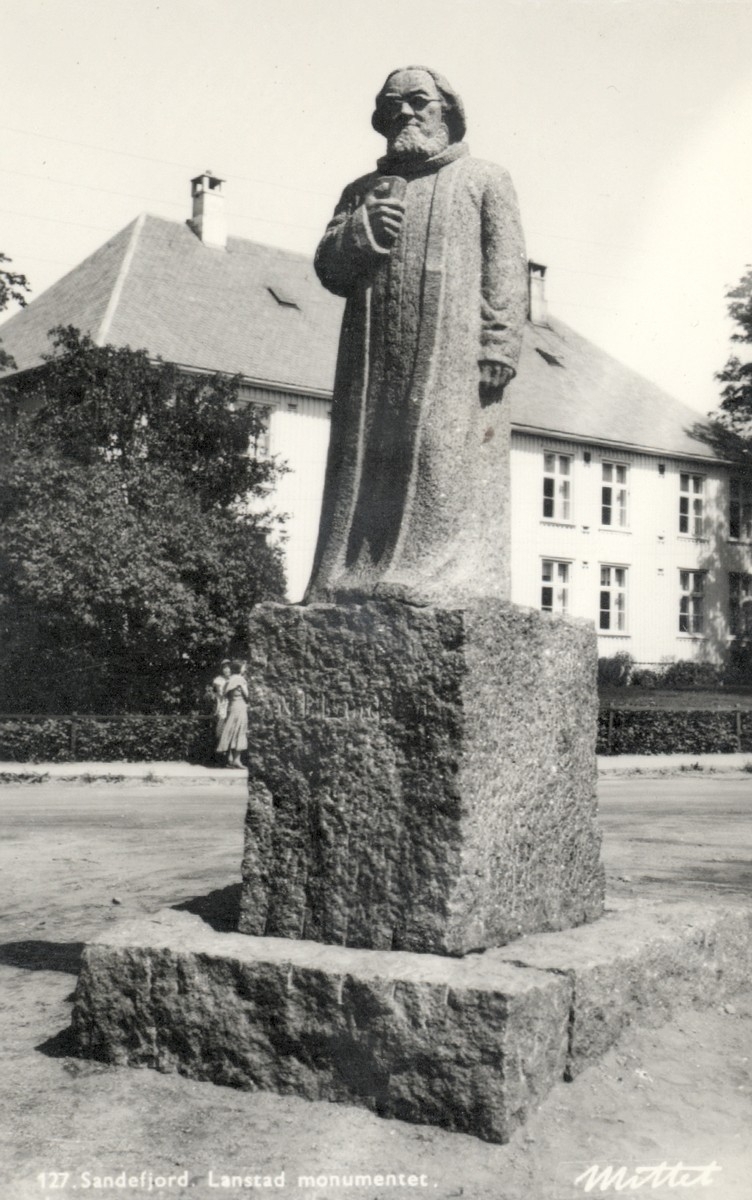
[[650, 548], [298, 434]]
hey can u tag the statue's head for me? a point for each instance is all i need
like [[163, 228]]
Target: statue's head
[[418, 112]]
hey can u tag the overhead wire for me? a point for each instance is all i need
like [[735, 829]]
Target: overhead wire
[[234, 215], [288, 187]]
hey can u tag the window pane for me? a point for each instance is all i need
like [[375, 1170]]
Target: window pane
[[606, 506], [554, 599], [735, 522], [563, 465], [621, 474], [548, 497], [735, 588], [549, 463], [740, 510], [691, 602], [684, 483], [608, 472], [564, 496]]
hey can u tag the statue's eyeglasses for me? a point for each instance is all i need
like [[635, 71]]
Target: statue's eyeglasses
[[391, 106]]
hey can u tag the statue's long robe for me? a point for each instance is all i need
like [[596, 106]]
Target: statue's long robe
[[416, 498]]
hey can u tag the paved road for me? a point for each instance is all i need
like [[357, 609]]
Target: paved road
[[68, 850], [71, 850], [691, 832]]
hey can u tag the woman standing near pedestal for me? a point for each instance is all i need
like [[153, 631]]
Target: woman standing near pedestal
[[234, 736], [220, 702]]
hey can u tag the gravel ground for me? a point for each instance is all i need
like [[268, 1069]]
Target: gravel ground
[[77, 857]]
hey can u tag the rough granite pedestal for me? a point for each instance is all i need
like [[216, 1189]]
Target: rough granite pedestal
[[422, 784], [420, 778], [471, 1044]]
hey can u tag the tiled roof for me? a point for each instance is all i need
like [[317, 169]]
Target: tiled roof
[[260, 312], [190, 304], [566, 385]]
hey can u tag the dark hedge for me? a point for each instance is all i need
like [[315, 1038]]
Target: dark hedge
[[168, 738], [126, 739], [640, 731]]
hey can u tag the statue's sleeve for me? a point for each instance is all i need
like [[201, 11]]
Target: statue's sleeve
[[504, 298], [348, 253]]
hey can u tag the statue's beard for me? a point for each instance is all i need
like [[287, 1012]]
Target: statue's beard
[[413, 143]]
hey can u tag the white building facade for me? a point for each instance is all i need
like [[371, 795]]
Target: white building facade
[[655, 549]]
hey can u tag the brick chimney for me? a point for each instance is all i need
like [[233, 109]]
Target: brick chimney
[[537, 307], [208, 221]]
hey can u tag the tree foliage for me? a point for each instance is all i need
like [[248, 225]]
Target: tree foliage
[[729, 433], [736, 376], [134, 535], [729, 430], [13, 289]]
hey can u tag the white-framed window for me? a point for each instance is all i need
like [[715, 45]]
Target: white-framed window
[[692, 602], [259, 445], [612, 606], [740, 604], [692, 504], [554, 586], [740, 510], [614, 495], [557, 486]]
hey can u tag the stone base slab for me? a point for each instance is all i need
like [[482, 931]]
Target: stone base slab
[[420, 779], [470, 1044], [639, 963]]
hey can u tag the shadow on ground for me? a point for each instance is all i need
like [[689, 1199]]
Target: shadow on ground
[[43, 956], [734, 876], [220, 908], [60, 1045]]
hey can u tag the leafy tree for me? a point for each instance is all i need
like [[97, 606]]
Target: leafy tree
[[736, 376], [134, 536], [729, 430], [13, 287]]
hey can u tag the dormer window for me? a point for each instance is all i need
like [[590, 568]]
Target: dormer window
[[283, 297]]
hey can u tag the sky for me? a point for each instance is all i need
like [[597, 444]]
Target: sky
[[626, 126]]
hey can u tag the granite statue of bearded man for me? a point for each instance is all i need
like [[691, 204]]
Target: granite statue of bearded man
[[429, 253]]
